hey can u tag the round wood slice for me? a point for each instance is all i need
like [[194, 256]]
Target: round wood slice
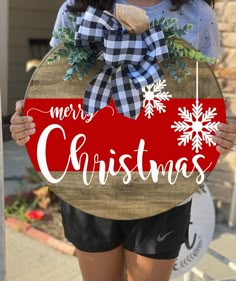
[[139, 198]]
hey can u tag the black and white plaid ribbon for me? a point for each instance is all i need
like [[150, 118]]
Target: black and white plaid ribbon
[[130, 62]]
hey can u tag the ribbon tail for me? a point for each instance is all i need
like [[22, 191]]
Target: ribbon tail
[[127, 98], [145, 73], [98, 93]]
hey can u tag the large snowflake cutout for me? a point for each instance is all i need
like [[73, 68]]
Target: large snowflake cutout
[[154, 97], [196, 126]]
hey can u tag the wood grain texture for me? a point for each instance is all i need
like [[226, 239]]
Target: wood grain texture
[[118, 201]]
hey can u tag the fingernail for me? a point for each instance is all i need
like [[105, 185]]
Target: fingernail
[[214, 138], [218, 133], [31, 131], [30, 118], [220, 126]]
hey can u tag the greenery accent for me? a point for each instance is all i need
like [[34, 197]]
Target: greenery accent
[[81, 60], [175, 65]]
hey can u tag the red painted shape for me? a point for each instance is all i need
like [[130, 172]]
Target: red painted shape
[[109, 135]]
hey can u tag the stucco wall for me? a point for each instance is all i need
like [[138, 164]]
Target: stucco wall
[[226, 12]]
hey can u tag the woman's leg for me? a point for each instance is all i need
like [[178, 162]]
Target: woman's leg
[[140, 268], [151, 245], [103, 266]]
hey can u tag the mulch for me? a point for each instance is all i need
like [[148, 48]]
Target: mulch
[[51, 223]]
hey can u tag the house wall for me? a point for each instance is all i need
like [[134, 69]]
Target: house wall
[[28, 19], [222, 180]]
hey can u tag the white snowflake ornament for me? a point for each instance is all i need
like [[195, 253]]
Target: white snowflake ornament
[[154, 97], [196, 125]]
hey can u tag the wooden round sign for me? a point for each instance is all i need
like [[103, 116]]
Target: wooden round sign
[[115, 167]]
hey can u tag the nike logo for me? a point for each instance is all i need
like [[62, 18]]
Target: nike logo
[[161, 238]]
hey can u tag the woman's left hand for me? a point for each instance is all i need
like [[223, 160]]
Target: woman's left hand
[[225, 137]]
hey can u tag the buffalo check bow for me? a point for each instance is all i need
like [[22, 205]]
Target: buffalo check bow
[[130, 62]]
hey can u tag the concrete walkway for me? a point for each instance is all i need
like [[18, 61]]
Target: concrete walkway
[[30, 260]]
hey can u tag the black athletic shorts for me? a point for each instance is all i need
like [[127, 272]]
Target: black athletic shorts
[[158, 237]]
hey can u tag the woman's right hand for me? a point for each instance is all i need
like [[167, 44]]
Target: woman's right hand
[[21, 126]]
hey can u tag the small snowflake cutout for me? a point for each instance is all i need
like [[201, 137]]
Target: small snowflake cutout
[[153, 98], [196, 126]]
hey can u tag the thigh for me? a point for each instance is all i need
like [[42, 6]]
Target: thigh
[[140, 268], [103, 266]]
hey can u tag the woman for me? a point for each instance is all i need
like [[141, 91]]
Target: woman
[[111, 250]]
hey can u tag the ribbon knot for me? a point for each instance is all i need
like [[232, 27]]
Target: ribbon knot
[[130, 62]]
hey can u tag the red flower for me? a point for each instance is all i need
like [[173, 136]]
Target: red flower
[[35, 215]]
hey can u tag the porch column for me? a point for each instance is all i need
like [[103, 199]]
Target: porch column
[[4, 11]]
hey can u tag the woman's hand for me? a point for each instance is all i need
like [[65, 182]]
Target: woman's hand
[[225, 138], [21, 126]]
